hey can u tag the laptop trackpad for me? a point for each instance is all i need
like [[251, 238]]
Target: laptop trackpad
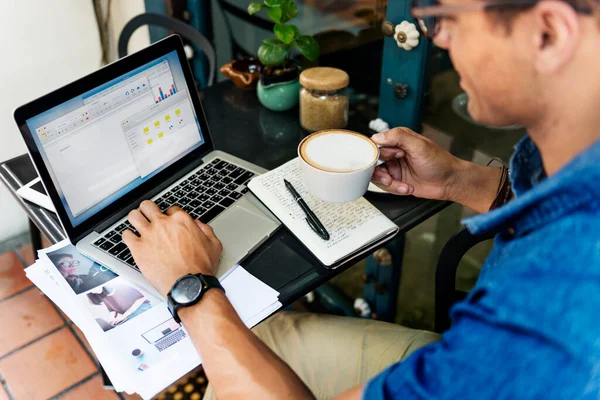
[[240, 231]]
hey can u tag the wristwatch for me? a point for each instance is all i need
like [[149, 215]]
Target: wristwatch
[[188, 290]]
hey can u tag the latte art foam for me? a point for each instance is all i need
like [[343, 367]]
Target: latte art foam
[[338, 151]]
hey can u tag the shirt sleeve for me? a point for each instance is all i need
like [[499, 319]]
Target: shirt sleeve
[[477, 360], [528, 330]]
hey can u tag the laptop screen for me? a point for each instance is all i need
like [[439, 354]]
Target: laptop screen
[[161, 331], [102, 144]]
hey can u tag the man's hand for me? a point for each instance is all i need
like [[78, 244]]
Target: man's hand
[[236, 362], [414, 165], [171, 245]]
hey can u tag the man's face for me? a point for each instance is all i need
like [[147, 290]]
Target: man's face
[[494, 72]]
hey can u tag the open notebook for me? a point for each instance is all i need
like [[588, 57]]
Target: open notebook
[[355, 227]]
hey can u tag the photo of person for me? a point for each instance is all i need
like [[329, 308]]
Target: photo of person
[[81, 273], [116, 303]]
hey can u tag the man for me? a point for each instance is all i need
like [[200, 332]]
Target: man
[[530, 327]]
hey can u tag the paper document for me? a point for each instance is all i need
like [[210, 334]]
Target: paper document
[[352, 225], [141, 347]]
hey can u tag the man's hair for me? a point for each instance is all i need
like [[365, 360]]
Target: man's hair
[[55, 258], [505, 15]]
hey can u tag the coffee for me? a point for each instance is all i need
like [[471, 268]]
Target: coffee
[[337, 165], [338, 151]]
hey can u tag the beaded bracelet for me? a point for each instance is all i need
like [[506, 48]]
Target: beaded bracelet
[[504, 192]]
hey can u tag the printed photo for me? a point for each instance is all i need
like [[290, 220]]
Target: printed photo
[[115, 303], [81, 273]]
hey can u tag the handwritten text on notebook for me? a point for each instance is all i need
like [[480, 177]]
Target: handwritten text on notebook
[[351, 225]]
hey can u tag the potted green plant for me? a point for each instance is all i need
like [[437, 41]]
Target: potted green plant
[[278, 88]]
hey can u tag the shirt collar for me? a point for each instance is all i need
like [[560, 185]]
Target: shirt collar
[[540, 199]]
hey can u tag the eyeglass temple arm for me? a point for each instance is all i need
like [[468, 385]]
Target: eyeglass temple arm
[[444, 10]]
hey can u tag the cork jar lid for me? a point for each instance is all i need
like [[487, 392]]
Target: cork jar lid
[[324, 78]]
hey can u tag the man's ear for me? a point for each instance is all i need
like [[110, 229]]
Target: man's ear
[[556, 34]]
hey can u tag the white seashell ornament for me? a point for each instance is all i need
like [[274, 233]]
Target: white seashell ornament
[[407, 35]]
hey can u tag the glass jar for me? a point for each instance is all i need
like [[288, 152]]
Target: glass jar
[[324, 99]]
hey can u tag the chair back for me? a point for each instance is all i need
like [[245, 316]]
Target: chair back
[[175, 26], [445, 274], [230, 10]]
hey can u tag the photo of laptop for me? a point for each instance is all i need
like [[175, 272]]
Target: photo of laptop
[[131, 131], [165, 335]]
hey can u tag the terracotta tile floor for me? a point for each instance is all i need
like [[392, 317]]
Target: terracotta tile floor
[[26, 317], [40, 355], [12, 277], [55, 363], [91, 389]]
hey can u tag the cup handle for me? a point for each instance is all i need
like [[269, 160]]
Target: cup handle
[[379, 162]]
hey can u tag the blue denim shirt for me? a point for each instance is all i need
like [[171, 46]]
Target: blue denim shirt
[[530, 329]]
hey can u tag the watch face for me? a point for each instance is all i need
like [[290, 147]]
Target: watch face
[[186, 289]]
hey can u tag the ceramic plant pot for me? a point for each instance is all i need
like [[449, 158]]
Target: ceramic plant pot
[[244, 73], [279, 90]]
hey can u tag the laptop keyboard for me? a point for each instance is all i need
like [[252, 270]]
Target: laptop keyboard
[[170, 340], [204, 195]]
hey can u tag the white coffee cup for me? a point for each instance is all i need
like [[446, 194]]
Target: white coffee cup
[[337, 164]]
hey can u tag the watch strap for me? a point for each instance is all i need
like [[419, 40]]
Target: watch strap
[[173, 307], [209, 282]]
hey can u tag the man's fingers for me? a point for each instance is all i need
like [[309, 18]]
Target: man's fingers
[[150, 210], [395, 170], [129, 238], [400, 188], [173, 210], [381, 176], [390, 153], [402, 138], [381, 180], [181, 216], [207, 229], [209, 232], [139, 222]]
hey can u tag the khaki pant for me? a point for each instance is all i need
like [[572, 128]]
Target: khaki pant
[[332, 354]]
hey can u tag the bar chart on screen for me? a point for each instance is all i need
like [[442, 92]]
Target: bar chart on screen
[[163, 87], [162, 82], [163, 94]]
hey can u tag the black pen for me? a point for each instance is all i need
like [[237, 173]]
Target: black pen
[[311, 218]]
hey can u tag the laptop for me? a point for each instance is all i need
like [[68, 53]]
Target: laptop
[[165, 335], [131, 131]]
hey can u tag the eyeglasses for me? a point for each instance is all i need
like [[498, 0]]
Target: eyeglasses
[[428, 12], [69, 264]]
